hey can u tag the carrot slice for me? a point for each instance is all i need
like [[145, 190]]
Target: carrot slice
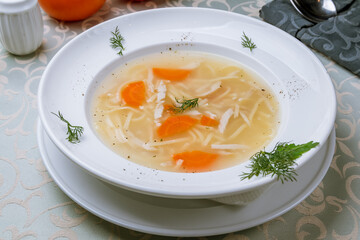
[[208, 121], [133, 94], [196, 160], [175, 124], [171, 74]]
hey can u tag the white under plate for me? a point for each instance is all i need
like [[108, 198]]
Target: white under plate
[[179, 217]]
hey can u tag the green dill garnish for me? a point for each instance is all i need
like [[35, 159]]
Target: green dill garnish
[[185, 105], [73, 132], [116, 41], [247, 43], [279, 162]]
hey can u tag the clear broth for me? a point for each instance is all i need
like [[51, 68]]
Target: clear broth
[[223, 87]]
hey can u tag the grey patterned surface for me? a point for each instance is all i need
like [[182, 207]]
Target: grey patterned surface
[[337, 38]]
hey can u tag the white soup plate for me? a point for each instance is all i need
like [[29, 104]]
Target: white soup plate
[[299, 80]]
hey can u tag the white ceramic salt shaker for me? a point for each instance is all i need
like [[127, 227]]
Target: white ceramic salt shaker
[[21, 26]]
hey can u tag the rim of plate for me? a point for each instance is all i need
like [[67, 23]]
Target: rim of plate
[[164, 189]]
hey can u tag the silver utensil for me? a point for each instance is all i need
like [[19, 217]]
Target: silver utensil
[[315, 10]]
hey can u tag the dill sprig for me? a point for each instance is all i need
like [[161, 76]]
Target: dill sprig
[[247, 43], [73, 132], [279, 162], [116, 41], [186, 104]]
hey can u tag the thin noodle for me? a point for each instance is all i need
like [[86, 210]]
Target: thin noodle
[[151, 134], [171, 96], [236, 111], [246, 119], [200, 135], [191, 66], [168, 142], [237, 132], [122, 108], [151, 98], [193, 135], [212, 70], [215, 86], [228, 146], [109, 122], [248, 94], [223, 78], [264, 115], [212, 115], [207, 139], [178, 92], [268, 105], [253, 111], [224, 152], [119, 134], [183, 85], [141, 117], [184, 146], [233, 72], [222, 95], [128, 119], [203, 101], [140, 143]]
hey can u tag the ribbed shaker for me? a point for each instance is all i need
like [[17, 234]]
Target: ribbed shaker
[[21, 26]]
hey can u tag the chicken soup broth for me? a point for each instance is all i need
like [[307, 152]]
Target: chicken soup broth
[[185, 112]]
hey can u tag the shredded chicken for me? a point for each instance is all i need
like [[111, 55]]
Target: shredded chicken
[[159, 109], [161, 89], [149, 80]]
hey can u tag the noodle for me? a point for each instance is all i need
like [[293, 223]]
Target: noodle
[[128, 120]]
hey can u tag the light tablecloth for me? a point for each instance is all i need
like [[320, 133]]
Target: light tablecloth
[[33, 207]]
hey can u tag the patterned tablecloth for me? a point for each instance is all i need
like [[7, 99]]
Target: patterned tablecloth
[[33, 207]]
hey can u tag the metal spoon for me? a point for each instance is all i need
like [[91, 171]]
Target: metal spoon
[[315, 10]]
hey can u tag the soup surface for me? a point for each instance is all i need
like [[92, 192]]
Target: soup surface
[[185, 111]]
